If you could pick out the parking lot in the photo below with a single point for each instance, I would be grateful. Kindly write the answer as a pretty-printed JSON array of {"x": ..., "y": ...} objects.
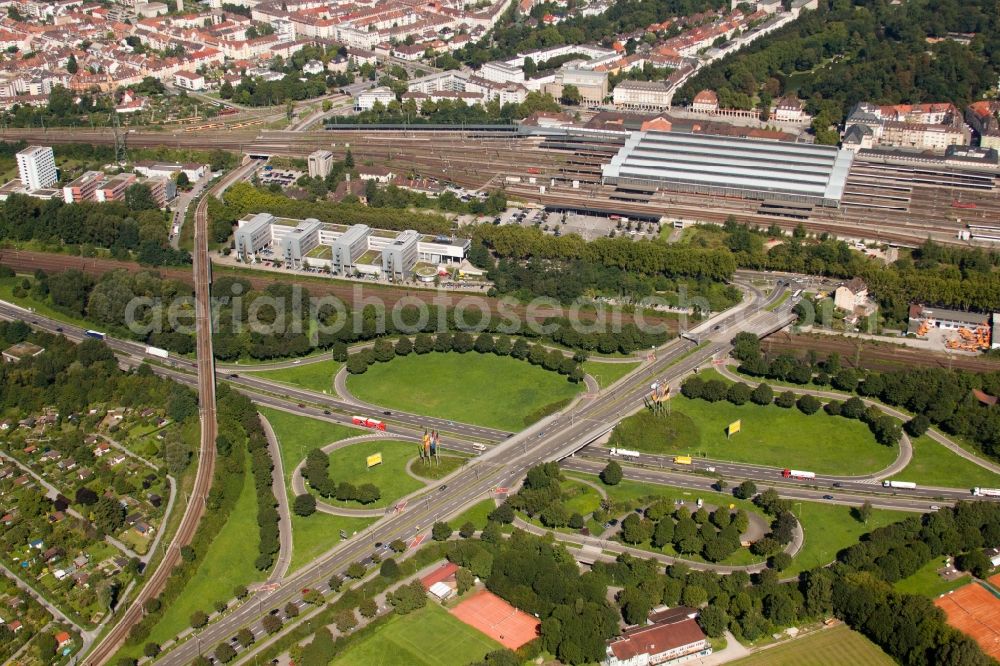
[
  {"x": 283, "y": 177},
  {"x": 587, "y": 226}
]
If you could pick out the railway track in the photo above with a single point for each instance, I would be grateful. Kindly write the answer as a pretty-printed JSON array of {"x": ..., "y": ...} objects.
[{"x": 476, "y": 161}]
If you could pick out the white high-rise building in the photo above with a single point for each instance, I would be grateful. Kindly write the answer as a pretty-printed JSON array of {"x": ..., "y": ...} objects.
[{"x": 37, "y": 167}]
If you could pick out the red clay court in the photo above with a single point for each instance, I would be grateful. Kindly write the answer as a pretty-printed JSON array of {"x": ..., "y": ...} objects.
[
  {"x": 974, "y": 610},
  {"x": 497, "y": 619}
]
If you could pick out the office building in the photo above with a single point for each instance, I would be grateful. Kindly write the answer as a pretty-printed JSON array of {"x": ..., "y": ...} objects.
[
  {"x": 400, "y": 256},
  {"x": 36, "y": 166},
  {"x": 320, "y": 163}
]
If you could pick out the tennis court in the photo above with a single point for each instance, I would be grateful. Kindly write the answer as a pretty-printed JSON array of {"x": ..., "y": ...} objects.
[
  {"x": 497, "y": 619},
  {"x": 974, "y": 610}
]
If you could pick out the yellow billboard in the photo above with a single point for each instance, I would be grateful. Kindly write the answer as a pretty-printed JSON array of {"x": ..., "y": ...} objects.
[
  {"x": 374, "y": 459},
  {"x": 734, "y": 427}
]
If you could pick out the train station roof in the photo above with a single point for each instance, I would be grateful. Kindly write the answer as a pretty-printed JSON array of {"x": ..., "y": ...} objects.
[{"x": 751, "y": 167}]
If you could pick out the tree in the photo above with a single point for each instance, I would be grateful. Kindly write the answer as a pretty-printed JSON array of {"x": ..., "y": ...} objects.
[
  {"x": 467, "y": 529},
  {"x": 503, "y": 514},
  {"x": 484, "y": 343},
  {"x": 808, "y": 404},
  {"x": 612, "y": 474},
  {"x": 335, "y": 583},
  {"x": 304, "y": 505},
  {"x": 71, "y": 65},
  {"x": 974, "y": 562},
  {"x": 245, "y": 637},
  {"x": 368, "y": 608},
  {"x": 339, "y": 351},
  {"x": 224, "y": 652},
  {"x": 397, "y": 545},
  {"x": 271, "y": 624},
  {"x": 785, "y": 400},
  {"x": 763, "y": 394},
  {"x": 571, "y": 95},
  {"x": 383, "y": 351},
  {"x": 918, "y": 425},
  {"x": 47, "y": 646},
  {"x": 738, "y": 393},
  {"x": 464, "y": 580},
  {"x": 198, "y": 619},
  {"x": 780, "y": 561},
  {"x": 713, "y": 621},
  {"x": 404, "y": 346},
  {"x": 109, "y": 515},
  {"x": 151, "y": 650},
  {"x": 441, "y": 531},
  {"x": 389, "y": 569},
  {"x": 320, "y": 651},
  {"x": 745, "y": 490},
  {"x": 139, "y": 197},
  {"x": 345, "y": 620},
  {"x": 634, "y": 530},
  {"x": 349, "y": 159},
  {"x": 86, "y": 496},
  {"x": 576, "y": 521},
  {"x": 357, "y": 364},
  {"x": 356, "y": 570},
  {"x": 865, "y": 512},
  {"x": 182, "y": 180},
  {"x": 423, "y": 344}
]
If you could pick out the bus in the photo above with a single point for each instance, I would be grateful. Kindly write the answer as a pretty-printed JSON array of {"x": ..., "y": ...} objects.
[
  {"x": 682, "y": 460},
  {"x": 94, "y": 334}
]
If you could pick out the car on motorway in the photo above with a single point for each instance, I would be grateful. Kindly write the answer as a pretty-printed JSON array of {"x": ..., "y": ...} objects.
[
  {"x": 828, "y": 497},
  {"x": 387, "y": 413},
  {"x": 301, "y": 406},
  {"x": 838, "y": 485},
  {"x": 234, "y": 376},
  {"x": 935, "y": 507},
  {"x": 444, "y": 487},
  {"x": 326, "y": 411},
  {"x": 59, "y": 329}
]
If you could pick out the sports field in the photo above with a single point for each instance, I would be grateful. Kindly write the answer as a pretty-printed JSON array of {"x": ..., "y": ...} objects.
[
  {"x": 974, "y": 611},
  {"x": 493, "y": 391},
  {"x": 427, "y": 637},
  {"x": 827, "y": 647},
  {"x": 496, "y": 618}
]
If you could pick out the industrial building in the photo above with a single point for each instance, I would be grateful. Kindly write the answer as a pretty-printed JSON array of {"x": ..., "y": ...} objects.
[
  {"x": 731, "y": 167},
  {"x": 342, "y": 249}
]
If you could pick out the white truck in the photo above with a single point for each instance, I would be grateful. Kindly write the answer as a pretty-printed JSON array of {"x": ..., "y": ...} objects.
[
  {"x": 627, "y": 453},
  {"x": 899, "y": 484},
  {"x": 157, "y": 352},
  {"x": 986, "y": 492}
]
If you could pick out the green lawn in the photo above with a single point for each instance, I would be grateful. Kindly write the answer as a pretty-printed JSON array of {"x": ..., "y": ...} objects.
[
  {"x": 580, "y": 498},
  {"x": 769, "y": 435},
  {"x": 297, "y": 435},
  {"x": 826, "y": 647},
  {"x": 438, "y": 470},
  {"x": 317, "y": 376},
  {"x": 430, "y": 636},
  {"x": 476, "y": 514},
  {"x": 314, "y": 535},
  {"x": 935, "y": 465},
  {"x": 349, "y": 464},
  {"x": 493, "y": 391},
  {"x": 928, "y": 583},
  {"x": 606, "y": 373},
  {"x": 830, "y": 528},
  {"x": 227, "y": 563}
]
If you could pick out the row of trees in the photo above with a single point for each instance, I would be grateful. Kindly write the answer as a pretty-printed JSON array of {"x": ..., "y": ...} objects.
[
  {"x": 317, "y": 473},
  {"x": 935, "y": 395},
  {"x": 450, "y": 112},
  {"x": 384, "y": 351},
  {"x": 262, "y": 467}
]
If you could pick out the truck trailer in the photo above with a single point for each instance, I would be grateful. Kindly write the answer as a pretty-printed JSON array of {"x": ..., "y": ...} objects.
[
  {"x": 797, "y": 474},
  {"x": 899, "y": 484}
]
